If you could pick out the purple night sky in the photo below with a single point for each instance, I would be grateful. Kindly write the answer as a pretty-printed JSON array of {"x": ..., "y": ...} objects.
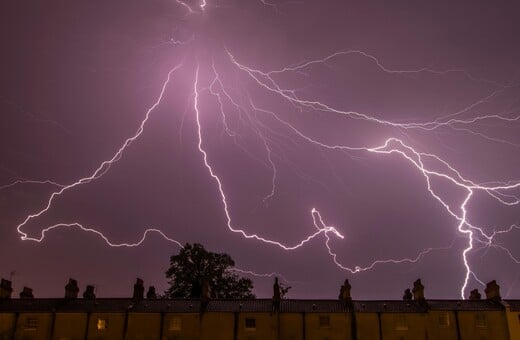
[{"x": 438, "y": 81}]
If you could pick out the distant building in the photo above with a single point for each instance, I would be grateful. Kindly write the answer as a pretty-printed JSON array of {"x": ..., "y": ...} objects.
[{"x": 413, "y": 318}]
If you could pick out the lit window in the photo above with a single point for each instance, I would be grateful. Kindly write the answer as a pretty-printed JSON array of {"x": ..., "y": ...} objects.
[
  {"x": 31, "y": 324},
  {"x": 481, "y": 320},
  {"x": 400, "y": 323},
  {"x": 175, "y": 324},
  {"x": 102, "y": 324},
  {"x": 444, "y": 319},
  {"x": 250, "y": 323},
  {"x": 324, "y": 321}
]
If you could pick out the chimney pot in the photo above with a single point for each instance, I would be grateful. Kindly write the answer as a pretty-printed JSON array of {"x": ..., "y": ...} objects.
[
  {"x": 407, "y": 295},
  {"x": 344, "y": 292},
  {"x": 89, "y": 293},
  {"x": 418, "y": 290},
  {"x": 138, "y": 290},
  {"x": 26, "y": 293},
  {"x": 205, "y": 295},
  {"x": 277, "y": 296},
  {"x": 151, "y": 294},
  {"x": 493, "y": 291},
  {"x": 475, "y": 295},
  {"x": 71, "y": 289},
  {"x": 6, "y": 289}
]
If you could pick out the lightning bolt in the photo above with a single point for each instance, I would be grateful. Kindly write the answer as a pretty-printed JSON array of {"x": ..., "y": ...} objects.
[
  {"x": 395, "y": 145},
  {"x": 429, "y": 165},
  {"x": 103, "y": 168}
]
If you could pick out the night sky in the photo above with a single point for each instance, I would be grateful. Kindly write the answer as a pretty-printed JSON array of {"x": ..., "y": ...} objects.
[{"x": 437, "y": 81}]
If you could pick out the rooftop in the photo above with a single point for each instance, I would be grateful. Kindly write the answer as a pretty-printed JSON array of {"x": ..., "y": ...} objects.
[{"x": 253, "y": 305}]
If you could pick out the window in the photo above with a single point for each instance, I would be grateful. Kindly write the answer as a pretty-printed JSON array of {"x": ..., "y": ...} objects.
[
  {"x": 250, "y": 323},
  {"x": 481, "y": 320},
  {"x": 401, "y": 324},
  {"x": 31, "y": 324},
  {"x": 444, "y": 319},
  {"x": 175, "y": 324},
  {"x": 324, "y": 321},
  {"x": 102, "y": 324}
]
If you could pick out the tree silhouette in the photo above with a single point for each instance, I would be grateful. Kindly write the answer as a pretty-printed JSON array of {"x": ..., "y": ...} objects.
[{"x": 194, "y": 266}]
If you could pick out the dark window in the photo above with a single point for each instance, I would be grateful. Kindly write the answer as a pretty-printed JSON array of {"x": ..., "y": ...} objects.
[
  {"x": 444, "y": 319},
  {"x": 481, "y": 320},
  {"x": 250, "y": 323},
  {"x": 324, "y": 321},
  {"x": 175, "y": 324},
  {"x": 31, "y": 324},
  {"x": 401, "y": 324}
]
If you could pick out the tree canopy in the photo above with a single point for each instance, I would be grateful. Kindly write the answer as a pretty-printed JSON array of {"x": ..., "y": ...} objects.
[{"x": 194, "y": 266}]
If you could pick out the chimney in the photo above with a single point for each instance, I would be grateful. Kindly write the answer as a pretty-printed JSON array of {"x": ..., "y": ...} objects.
[
  {"x": 407, "y": 295},
  {"x": 277, "y": 297},
  {"x": 71, "y": 289},
  {"x": 138, "y": 289},
  {"x": 26, "y": 293},
  {"x": 475, "y": 295},
  {"x": 151, "y": 295},
  {"x": 205, "y": 296},
  {"x": 89, "y": 293},
  {"x": 5, "y": 289},
  {"x": 418, "y": 290},
  {"x": 493, "y": 291},
  {"x": 344, "y": 292}
]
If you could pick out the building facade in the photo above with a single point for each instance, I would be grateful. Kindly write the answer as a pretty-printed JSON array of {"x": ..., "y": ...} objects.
[{"x": 412, "y": 318}]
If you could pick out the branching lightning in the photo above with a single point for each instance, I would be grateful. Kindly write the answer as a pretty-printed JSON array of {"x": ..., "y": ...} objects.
[
  {"x": 429, "y": 165},
  {"x": 392, "y": 145}
]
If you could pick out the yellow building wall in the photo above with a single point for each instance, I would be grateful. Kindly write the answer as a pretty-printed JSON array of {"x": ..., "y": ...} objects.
[
  {"x": 266, "y": 326},
  {"x": 71, "y": 326},
  {"x": 513, "y": 322},
  {"x": 392, "y": 326},
  {"x": 495, "y": 329},
  {"x": 367, "y": 326},
  {"x": 439, "y": 330},
  {"x": 340, "y": 326},
  {"x": 143, "y": 326},
  {"x": 217, "y": 326},
  {"x": 499, "y": 325},
  {"x": 7, "y": 325},
  {"x": 42, "y": 331},
  {"x": 291, "y": 326},
  {"x": 189, "y": 327},
  {"x": 114, "y": 330}
]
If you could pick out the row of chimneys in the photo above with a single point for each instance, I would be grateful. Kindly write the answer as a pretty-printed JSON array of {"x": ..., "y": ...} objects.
[
  {"x": 417, "y": 292},
  {"x": 72, "y": 290}
]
